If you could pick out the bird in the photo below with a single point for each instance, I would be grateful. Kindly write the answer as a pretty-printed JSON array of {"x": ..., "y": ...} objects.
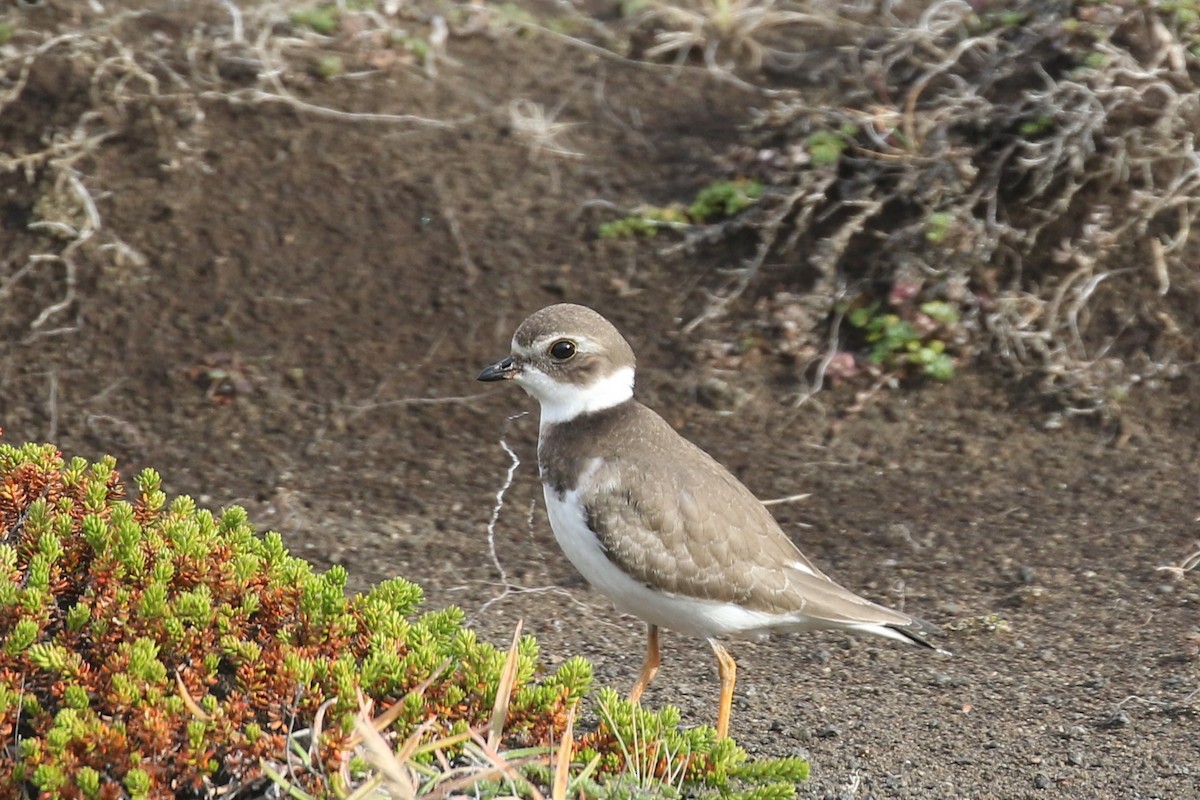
[{"x": 656, "y": 523}]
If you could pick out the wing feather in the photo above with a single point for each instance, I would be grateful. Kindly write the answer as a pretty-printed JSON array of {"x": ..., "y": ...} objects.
[{"x": 725, "y": 547}]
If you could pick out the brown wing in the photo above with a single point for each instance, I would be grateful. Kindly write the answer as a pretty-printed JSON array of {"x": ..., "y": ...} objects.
[{"x": 724, "y": 546}]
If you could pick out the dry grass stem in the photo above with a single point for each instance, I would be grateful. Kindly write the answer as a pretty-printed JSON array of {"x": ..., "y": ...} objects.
[
  {"x": 792, "y": 498},
  {"x": 562, "y": 759},
  {"x": 508, "y": 679},
  {"x": 1186, "y": 565}
]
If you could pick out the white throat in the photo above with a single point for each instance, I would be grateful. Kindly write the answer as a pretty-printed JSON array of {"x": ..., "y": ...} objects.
[{"x": 562, "y": 402}]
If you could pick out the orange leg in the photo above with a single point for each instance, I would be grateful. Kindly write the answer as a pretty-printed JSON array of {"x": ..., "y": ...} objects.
[
  {"x": 649, "y": 666},
  {"x": 727, "y": 669}
]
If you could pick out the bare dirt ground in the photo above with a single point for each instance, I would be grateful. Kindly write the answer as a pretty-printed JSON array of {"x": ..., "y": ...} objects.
[{"x": 285, "y": 309}]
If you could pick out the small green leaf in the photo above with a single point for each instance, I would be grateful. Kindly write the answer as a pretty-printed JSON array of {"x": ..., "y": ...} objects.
[
  {"x": 137, "y": 781},
  {"x": 825, "y": 147},
  {"x": 87, "y": 779},
  {"x": 23, "y": 634},
  {"x": 941, "y": 311}
]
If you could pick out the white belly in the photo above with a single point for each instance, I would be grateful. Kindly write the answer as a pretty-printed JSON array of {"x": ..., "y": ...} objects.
[{"x": 698, "y": 617}]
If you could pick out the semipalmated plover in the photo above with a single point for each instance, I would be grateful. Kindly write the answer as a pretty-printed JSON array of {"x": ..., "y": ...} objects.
[{"x": 653, "y": 521}]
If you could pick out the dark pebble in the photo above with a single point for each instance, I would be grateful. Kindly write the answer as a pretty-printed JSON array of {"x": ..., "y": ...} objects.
[{"x": 1117, "y": 720}]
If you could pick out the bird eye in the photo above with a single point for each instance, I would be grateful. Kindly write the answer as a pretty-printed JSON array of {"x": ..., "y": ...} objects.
[{"x": 563, "y": 349}]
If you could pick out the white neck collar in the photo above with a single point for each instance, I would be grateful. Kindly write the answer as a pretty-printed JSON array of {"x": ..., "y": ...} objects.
[{"x": 563, "y": 402}]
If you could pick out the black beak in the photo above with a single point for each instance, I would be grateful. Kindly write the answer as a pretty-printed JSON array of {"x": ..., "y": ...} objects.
[{"x": 504, "y": 370}]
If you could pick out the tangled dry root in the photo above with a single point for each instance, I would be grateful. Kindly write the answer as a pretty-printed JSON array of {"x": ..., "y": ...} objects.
[{"x": 1038, "y": 168}]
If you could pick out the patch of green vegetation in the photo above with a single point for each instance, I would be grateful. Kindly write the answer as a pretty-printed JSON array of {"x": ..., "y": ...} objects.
[
  {"x": 938, "y": 227},
  {"x": 1037, "y": 127},
  {"x": 896, "y": 341},
  {"x": 718, "y": 200},
  {"x": 628, "y": 227},
  {"x": 826, "y": 147},
  {"x": 941, "y": 311},
  {"x": 135, "y": 628},
  {"x": 511, "y": 16},
  {"x": 648, "y": 753},
  {"x": 645, "y": 222},
  {"x": 998, "y": 20},
  {"x": 724, "y": 199},
  {"x": 6, "y": 32},
  {"x": 417, "y": 45},
  {"x": 321, "y": 19},
  {"x": 330, "y": 65},
  {"x": 1183, "y": 12}
]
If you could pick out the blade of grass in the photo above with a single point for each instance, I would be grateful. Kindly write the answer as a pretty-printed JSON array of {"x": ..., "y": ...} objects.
[
  {"x": 293, "y": 791},
  {"x": 562, "y": 762},
  {"x": 508, "y": 677},
  {"x": 395, "y": 709},
  {"x": 391, "y": 765},
  {"x": 509, "y": 768}
]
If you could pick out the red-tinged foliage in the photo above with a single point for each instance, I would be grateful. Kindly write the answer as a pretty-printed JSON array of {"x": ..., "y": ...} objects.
[{"x": 152, "y": 645}]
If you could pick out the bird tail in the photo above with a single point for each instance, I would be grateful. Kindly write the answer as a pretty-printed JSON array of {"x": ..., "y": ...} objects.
[{"x": 914, "y": 632}]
